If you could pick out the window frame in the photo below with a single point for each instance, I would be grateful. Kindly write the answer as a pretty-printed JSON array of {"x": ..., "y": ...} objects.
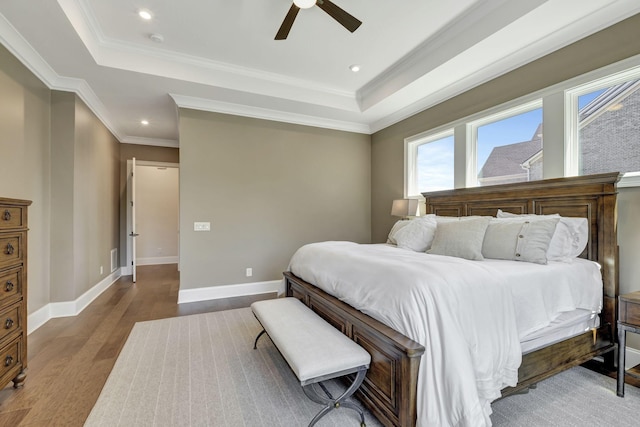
[
  {"x": 472, "y": 126},
  {"x": 572, "y": 143},
  {"x": 411, "y": 145}
]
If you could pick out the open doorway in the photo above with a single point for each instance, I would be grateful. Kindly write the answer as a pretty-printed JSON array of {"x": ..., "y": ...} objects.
[{"x": 157, "y": 210}]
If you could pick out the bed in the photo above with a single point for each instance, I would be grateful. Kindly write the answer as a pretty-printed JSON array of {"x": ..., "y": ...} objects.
[{"x": 390, "y": 389}]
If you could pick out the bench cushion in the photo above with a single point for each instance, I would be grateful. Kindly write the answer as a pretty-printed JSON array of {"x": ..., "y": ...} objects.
[{"x": 312, "y": 347}]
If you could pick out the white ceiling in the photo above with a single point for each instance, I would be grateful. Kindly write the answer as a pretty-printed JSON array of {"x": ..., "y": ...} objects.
[{"x": 220, "y": 55}]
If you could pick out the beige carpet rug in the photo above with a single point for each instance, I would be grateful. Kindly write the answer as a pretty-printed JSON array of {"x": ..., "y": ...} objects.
[{"x": 201, "y": 370}]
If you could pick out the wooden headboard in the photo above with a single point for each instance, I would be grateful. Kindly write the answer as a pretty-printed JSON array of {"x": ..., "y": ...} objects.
[{"x": 592, "y": 197}]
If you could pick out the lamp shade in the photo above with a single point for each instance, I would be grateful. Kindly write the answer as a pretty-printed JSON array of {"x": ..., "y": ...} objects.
[{"x": 404, "y": 207}]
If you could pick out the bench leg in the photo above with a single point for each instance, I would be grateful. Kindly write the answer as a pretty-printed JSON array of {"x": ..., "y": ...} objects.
[
  {"x": 255, "y": 343},
  {"x": 332, "y": 403}
]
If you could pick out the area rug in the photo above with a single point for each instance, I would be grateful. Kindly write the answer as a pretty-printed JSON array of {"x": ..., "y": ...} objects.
[
  {"x": 201, "y": 370},
  {"x": 576, "y": 397}
]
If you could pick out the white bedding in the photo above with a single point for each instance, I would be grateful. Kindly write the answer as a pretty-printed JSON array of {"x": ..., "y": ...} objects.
[{"x": 462, "y": 311}]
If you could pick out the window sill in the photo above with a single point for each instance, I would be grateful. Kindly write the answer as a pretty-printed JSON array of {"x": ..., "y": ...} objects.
[{"x": 629, "y": 179}]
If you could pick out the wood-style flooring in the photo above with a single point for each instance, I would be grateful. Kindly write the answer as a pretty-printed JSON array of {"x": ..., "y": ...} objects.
[{"x": 69, "y": 359}]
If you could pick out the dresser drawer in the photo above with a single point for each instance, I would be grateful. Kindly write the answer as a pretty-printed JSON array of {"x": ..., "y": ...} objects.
[
  {"x": 10, "y": 284},
  {"x": 11, "y": 248},
  {"x": 11, "y": 359},
  {"x": 10, "y": 320},
  {"x": 12, "y": 216}
]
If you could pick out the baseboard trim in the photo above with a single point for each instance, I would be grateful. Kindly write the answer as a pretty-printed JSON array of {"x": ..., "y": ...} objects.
[
  {"x": 70, "y": 308},
  {"x": 632, "y": 358},
  {"x": 157, "y": 260},
  {"x": 228, "y": 291}
]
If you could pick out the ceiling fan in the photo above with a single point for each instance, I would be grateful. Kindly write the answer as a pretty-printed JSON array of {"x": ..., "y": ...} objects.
[{"x": 337, "y": 13}]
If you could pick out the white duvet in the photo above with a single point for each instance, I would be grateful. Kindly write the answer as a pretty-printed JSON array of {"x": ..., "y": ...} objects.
[{"x": 462, "y": 311}]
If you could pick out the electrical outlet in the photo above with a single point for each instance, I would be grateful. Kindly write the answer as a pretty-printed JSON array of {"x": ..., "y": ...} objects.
[
  {"x": 249, "y": 272},
  {"x": 101, "y": 270}
]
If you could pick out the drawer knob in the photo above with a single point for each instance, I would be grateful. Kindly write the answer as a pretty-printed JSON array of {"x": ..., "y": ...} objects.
[
  {"x": 10, "y": 249},
  {"x": 7, "y": 215},
  {"x": 8, "y": 360},
  {"x": 9, "y": 286},
  {"x": 9, "y": 323}
]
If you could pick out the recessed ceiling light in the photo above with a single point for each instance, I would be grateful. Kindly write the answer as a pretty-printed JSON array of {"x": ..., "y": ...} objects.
[
  {"x": 355, "y": 68},
  {"x": 144, "y": 122},
  {"x": 145, "y": 14},
  {"x": 158, "y": 38}
]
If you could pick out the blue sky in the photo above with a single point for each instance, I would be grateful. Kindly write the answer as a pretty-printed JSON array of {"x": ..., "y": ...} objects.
[{"x": 435, "y": 160}]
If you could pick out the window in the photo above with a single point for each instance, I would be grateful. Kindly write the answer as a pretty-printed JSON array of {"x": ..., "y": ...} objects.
[
  {"x": 430, "y": 163},
  {"x": 591, "y": 125},
  {"x": 509, "y": 146},
  {"x": 608, "y": 127}
]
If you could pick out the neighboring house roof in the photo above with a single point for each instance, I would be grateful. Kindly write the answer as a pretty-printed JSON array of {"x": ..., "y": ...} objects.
[
  {"x": 506, "y": 159},
  {"x": 606, "y": 99}
]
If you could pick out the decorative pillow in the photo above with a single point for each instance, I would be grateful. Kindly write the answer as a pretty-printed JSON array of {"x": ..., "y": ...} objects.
[
  {"x": 569, "y": 239},
  {"x": 462, "y": 239},
  {"x": 519, "y": 239},
  {"x": 417, "y": 235},
  {"x": 396, "y": 227}
]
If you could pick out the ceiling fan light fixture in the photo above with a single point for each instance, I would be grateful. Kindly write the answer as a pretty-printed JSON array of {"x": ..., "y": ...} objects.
[
  {"x": 145, "y": 14},
  {"x": 304, "y": 4}
]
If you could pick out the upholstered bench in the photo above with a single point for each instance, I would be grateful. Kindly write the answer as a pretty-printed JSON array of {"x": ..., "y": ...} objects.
[{"x": 314, "y": 350}]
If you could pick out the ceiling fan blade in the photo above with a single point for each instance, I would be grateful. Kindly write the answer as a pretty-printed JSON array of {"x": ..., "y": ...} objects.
[
  {"x": 337, "y": 13},
  {"x": 283, "y": 32}
]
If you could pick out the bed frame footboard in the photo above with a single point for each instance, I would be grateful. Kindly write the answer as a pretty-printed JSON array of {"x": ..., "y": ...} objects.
[{"x": 389, "y": 389}]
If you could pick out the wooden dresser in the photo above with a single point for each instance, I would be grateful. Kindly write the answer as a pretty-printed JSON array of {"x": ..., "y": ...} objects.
[{"x": 13, "y": 291}]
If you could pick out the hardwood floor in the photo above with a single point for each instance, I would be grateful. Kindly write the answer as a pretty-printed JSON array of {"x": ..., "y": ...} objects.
[{"x": 69, "y": 359}]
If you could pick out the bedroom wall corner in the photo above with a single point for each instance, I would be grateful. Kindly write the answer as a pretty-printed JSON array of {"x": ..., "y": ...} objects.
[{"x": 266, "y": 188}]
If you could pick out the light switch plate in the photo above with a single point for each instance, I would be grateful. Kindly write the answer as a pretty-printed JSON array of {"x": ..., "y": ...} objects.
[{"x": 201, "y": 226}]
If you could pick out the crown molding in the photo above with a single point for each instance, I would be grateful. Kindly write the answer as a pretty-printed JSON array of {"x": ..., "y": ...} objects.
[
  {"x": 552, "y": 42},
  {"x": 202, "y": 104},
  {"x": 27, "y": 55},
  {"x": 176, "y": 65},
  {"x": 139, "y": 140}
]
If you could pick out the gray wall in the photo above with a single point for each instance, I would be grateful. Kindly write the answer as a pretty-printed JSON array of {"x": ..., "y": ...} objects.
[
  {"x": 25, "y": 159},
  {"x": 84, "y": 198},
  {"x": 267, "y": 188},
  {"x": 55, "y": 152}
]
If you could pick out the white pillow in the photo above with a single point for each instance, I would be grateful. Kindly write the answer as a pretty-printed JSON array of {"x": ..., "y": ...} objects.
[
  {"x": 462, "y": 239},
  {"x": 569, "y": 239},
  {"x": 519, "y": 239},
  {"x": 417, "y": 235},
  {"x": 396, "y": 227}
]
